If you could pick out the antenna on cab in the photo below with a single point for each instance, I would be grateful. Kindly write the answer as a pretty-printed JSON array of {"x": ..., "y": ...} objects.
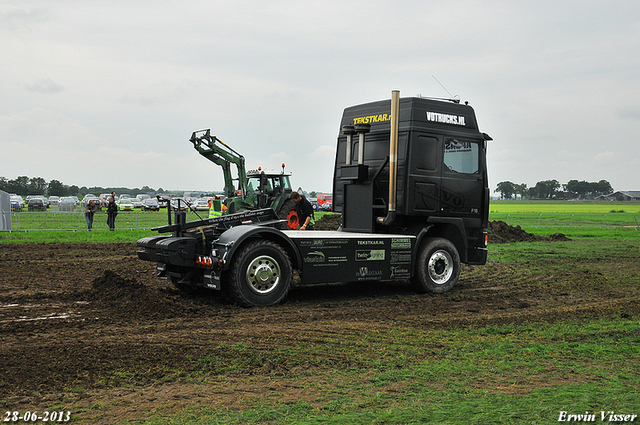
[{"x": 455, "y": 98}]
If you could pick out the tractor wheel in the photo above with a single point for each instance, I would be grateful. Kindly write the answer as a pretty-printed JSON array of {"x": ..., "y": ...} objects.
[
  {"x": 260, "y": 274},
  {"x": 293, "y": 221},
  {"x": 288, "y": 212},
  {"x": 437, "y": 266}
]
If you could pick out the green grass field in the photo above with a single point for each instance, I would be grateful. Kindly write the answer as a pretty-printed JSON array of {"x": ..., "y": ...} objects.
[
  {"x": 564, "y": 207},
  {"x": 574, "y": 219}
]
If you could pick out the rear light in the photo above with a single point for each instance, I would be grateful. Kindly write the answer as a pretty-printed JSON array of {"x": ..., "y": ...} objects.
[{"x": 205, "y": 262}]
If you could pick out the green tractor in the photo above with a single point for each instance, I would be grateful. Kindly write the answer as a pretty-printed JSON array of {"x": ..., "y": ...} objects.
[{"x": 255, "y": 189}]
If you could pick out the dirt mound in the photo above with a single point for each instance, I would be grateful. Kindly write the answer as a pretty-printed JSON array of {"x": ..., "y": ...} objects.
[
  {"x": 329, "y": 222},
  {"x": 501, "y": 232},
  {"x": 559, "y": 237},
  {"x": 129, "y": 298}
]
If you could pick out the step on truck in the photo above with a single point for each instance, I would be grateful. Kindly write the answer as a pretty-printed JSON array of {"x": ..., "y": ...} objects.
[{"x": 410, "y": 182}]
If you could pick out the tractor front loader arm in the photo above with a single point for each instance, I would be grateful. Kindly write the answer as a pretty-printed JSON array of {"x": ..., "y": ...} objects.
[{"x": 216, "y": 151}]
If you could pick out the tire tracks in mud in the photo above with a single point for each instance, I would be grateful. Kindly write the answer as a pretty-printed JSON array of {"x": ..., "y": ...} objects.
[{"x": 79, "y": 312}]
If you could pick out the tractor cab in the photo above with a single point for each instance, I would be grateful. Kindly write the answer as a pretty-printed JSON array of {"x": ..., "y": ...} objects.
[{"x": 267, "y": 189}]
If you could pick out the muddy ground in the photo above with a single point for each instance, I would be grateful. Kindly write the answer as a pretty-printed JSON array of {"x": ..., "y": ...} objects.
[{"x": 76, "y": 319}]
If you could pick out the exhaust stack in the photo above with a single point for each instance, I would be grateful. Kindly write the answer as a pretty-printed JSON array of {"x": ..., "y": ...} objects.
[
  {"x": 349, "y": 131},
  {"x": 393, "y": 160}
]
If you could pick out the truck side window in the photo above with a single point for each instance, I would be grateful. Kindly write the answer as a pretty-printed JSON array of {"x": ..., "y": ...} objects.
[
  {"x": 461, "y": 156},
  {"x": 427, "y": 159}
]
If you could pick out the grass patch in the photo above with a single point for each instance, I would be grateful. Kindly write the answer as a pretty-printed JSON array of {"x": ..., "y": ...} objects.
[
  {"x": 65, "y": 236},
  {"x": 574, "y": 219},
  {"x": 565, "y": 207},
  {"x": 518, "y": 374}
]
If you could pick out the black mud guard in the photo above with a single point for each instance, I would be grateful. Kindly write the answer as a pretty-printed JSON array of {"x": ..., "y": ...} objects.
[
  {"x": 233, "y": 238},
  {"x": 177, "y": 251},
  {"x": 453, "y": 221},
  {"x": 148, "y": 246}
]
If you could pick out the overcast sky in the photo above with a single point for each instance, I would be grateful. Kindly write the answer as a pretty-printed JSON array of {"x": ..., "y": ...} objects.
[{"x": 107, "y": 93}]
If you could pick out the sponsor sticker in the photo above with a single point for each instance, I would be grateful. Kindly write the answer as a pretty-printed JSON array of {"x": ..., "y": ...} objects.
[{"x": 370, "y": 254}]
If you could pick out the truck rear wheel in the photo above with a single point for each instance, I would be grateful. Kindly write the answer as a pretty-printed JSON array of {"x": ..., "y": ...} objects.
[
  {"x": 437, "y": 266},
  {"x": 260, "y": 274}
]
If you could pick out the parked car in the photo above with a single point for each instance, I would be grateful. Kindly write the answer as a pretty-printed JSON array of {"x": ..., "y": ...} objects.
[
  {"x": 184, "y": 206},
  {"x": 68, "y": 203},
  {"x": 150, "y": 204},
  {"x": 89, "y": 197},
  {"x": 125, "y": 204},
  {"x": 326, "y": 206},
  {"x": 45, "y": 201},
  {"x": 201, "y": 204},
  {"x": 53, "y": 200},
  {"x": 104, "y": 198},
  {"x": 137, "y": 203},
  {"x": 36, "y": 204},
  {"x": 162, "y": 202},
  {"x": 17, "y": 203}
]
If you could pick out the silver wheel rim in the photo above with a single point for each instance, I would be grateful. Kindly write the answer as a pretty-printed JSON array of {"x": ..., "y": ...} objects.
[
  {"x": 263, "y": 274},
  {"x": 440, "y": 267}
]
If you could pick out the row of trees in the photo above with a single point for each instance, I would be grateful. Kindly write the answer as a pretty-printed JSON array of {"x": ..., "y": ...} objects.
[
  {"x": 552, "y": 189},
  {"x": 24, "y": 186},
  {"x": 546, "y": 189}
]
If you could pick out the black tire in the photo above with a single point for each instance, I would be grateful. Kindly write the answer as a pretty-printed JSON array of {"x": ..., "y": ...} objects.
[
  {"x": 260, "y": 274},
  {"x": 286, "y": 207},
  {"x": 437, "y": 267}
]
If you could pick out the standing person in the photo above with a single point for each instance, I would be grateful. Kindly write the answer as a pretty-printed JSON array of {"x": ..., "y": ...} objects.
[
  {"x": 304, "y": 210},
  {"x": 88, "y": 214},
  {"x": 112, "y": 212}
]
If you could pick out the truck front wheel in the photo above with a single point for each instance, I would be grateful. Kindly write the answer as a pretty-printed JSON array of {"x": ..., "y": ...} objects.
[
  {"x": 260, "y": 274},
  {"x": 437, "y": 266}
]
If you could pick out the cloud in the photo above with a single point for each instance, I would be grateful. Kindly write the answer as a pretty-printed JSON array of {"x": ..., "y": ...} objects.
[
  {"x": 629, "y": 112},
  {"x": 607, "y": 156},
  {"x": 324, "y": 151},
  {"x": 22, "y": 17},
  {"x": 44, "y": 86}
]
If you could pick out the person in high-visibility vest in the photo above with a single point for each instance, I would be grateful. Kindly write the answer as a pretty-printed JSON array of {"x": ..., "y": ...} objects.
[{"x": 216, "y": 207}]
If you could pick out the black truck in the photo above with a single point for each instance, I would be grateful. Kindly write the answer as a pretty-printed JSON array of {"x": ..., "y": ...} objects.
[{"x": 410, "y": 180}]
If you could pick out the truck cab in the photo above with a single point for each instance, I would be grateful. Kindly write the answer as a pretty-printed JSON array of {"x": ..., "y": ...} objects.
[{"x": 440, "y": 185}]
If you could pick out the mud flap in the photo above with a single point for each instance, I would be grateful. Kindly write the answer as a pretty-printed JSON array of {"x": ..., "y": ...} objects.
[{"x": 212, "y": 279}]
